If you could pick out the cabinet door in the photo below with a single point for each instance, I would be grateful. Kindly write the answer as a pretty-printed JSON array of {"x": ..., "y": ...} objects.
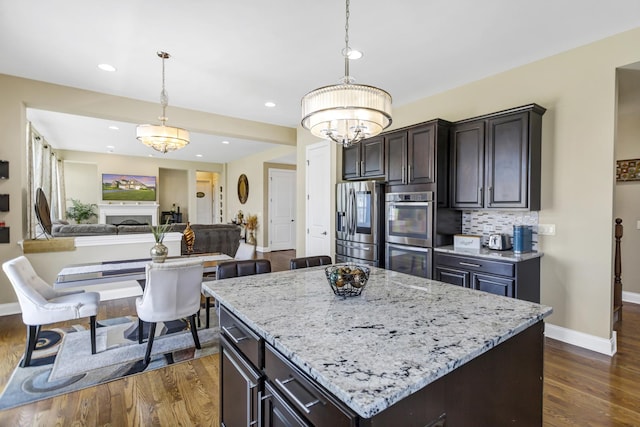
[
  {"x": 372, "y": 155},
  {"x": 277, "y": 412},
  {"x": 454, "y": 277},
  {"x": 239, "y": 388},
  {"x": 421, "y": 155},
  {"x": 467, "y": 165},
  {"x": 507, "y": 161},
  {"x": 351, "y": 162},
  {"x": 493, "y": 284},
  {"x": 396, "y": 155}
]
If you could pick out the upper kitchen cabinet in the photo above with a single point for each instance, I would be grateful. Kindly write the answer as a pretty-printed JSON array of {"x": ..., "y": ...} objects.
[
  {"x": 495, "y": 160},
  {"x": 364, "y": 159},
  {"x": 418, "y": 154}
]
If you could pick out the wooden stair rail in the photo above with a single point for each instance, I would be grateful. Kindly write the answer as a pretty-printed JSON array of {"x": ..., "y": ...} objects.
[{"x": 617, "y": 281}]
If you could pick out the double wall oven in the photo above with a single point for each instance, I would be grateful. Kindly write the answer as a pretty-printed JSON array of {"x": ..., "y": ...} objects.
[{"x": 409, "y": 233}]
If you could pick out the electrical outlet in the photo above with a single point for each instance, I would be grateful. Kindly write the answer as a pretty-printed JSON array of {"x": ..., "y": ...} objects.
[
  {"x": 488, "y": 228},
  {"x": 638, "y": 224},
  {"x": 547, "y": 229}
]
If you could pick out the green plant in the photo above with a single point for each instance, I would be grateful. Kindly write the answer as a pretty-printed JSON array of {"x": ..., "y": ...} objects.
[
  {"x": 159, "y": 231},
  {"x": 81, "y": 212}
]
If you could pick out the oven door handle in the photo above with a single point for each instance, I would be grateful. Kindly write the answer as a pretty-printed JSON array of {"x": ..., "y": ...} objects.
[
  {"x": 414, "y": 204},
  {"x": 409, "y": 248}
]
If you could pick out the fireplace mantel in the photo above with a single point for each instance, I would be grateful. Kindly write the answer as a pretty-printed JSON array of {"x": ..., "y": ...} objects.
[{"x": 129, "y": 209}]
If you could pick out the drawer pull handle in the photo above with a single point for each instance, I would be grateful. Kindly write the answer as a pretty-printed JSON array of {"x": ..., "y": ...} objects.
[
  {"x": 304, "y": 406},
  {"x": 470, "y": 264},
  {"x": 228, "y": 332}
]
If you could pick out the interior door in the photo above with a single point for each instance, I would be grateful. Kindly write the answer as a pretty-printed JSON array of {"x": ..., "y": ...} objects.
[
  {"x": 319, "y": 201},
  {"x": 204, "y": 202},
  {"x": 282, "y": 209}
]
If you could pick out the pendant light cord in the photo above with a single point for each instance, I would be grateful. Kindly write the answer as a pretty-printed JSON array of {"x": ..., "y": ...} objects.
[
  {"x": 164, "y": 97},
  {"x": 347, "y": 50}
]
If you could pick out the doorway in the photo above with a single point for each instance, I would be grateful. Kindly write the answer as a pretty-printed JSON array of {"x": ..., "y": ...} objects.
[{"x": 282, "y": 209}]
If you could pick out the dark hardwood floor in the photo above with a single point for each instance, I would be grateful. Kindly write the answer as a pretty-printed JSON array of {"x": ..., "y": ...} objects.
[{"x": 581, "y": 388}]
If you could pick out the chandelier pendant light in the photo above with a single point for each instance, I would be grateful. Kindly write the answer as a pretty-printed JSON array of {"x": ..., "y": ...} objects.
[
  {"x": 346, "y": 112},
  {"x": 160, "y": 137}
]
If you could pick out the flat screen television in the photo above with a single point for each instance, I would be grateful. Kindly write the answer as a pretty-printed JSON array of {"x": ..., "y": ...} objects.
[{"x": 136, "y": 188}]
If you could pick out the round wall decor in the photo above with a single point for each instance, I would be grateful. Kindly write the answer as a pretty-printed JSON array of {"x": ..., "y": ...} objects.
[{"x": 243, "y": 188}]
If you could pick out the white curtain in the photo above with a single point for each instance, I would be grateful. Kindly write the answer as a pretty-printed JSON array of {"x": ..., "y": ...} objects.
[{"x": 45, "y": 171}]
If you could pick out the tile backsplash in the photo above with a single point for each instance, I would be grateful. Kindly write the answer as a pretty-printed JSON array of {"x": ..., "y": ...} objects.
[{"x": 484, "y": 223}]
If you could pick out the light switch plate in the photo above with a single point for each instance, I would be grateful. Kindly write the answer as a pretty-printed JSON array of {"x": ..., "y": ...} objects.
[{"x": 547, "y": 229}]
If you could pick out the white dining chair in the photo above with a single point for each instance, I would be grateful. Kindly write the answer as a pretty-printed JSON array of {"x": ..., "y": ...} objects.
[
  {"x": 171, "y": 292},
  {"x": 42, "y": 305},
  {"x": 245, "y": 251}
]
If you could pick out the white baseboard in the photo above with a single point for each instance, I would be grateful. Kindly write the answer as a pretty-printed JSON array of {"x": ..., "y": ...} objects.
[
  {"x": 9, "y": 308},
  {"x": 580, "y": 339},
  {"x": 632, "y": 297}
]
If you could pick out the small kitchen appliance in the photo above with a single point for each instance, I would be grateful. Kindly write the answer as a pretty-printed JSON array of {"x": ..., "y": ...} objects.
[{"x": 499, "y": 242}]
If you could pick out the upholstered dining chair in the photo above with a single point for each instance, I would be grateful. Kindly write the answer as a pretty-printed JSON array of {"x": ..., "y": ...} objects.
[
  {"x": 171, "y": 292},
  {"x": 309, "y": 261},
  {"x": 42, "y": 305},
  {"x": 238, "y": 268},
  {"x": 245, "y": 251}
]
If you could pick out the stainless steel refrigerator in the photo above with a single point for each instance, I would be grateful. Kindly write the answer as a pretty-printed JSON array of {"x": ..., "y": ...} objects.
[{"x": 359, "y": 222}]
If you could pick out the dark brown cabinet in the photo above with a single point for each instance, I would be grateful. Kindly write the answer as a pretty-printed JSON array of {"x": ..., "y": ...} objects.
[
  {"x": 513, "y": 279},
  {"x": 495, "y": 160},
  {"x": 364, "y": 159}
]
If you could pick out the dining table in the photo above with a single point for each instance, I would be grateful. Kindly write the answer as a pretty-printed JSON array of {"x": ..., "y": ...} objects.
[{"x": 95, "y": 273}]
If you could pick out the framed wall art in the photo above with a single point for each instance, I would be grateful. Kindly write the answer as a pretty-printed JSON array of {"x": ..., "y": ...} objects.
[
  {"x": 628, "y": 170},
  {"x": 243, "y": 188}
]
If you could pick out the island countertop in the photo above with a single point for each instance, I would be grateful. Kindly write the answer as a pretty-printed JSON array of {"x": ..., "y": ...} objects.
[{"x": 373, "y": 350}]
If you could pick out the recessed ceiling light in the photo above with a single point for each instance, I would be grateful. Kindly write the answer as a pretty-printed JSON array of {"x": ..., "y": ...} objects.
[
  {"x": 107, "y": 67},
  {"x": 150, "y": 155},
  {"x": 198, "y": 155},
  {"x": 355, "y": 54},
  {"x": 110, "y": 147},
  {"x": 225, "y": 142},
  {"x": 270, "y": 104},
  {"x": 112, "y": 127}
]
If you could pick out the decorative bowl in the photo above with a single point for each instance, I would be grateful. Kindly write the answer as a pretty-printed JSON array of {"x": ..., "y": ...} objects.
[{"x": 347, "y": 280}]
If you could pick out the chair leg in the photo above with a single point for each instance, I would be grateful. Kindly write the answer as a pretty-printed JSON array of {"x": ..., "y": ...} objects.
[
  {"x": 32, "y": 340},
  {"x": 194, "y": 332},
  {"x": 207, "y": 307},
  {"x": 92, "y": 325},
  {"x": 152, "y": 333},
  {"x": 140, "y": 326}
]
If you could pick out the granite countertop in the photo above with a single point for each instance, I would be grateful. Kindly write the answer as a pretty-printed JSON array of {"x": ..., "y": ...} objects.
[
  {"x": 485, "y": 252},
  {"x": 371, "y": 351}
]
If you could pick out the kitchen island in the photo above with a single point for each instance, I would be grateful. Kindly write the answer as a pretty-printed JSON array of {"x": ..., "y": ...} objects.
[{"x": 408, "y": 351}]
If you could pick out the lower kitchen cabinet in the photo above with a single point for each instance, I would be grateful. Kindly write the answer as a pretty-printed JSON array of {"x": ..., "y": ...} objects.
[
  {"x": 239, "y": 386},
  {"x": 515, "y": 279}
]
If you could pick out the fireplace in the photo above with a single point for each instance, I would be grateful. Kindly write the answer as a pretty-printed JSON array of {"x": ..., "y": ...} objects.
[{"x": 141, "y": 213}]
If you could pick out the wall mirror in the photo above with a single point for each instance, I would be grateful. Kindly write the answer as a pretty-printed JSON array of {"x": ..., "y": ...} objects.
[{"x": 243, "y": 188}]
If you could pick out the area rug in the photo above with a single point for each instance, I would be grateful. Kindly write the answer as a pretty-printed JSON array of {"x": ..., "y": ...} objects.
[{"x": 62, "y": 361}]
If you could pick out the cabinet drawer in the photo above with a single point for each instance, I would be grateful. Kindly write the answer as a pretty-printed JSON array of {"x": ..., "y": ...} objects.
[
  {"x": 314, "y": 404},
  {"x": 476, "y": 264},
  {"x": 241, "y": 336}
]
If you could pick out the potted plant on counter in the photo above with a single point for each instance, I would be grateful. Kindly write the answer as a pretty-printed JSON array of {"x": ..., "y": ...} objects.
[{"x": 159, "y": 251}]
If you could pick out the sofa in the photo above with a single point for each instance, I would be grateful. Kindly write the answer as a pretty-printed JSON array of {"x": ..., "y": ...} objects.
[{"x": 222, "y": 238}]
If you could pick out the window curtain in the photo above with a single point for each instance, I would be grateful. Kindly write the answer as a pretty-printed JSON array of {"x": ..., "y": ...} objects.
[{"x": 45, "y": 171}]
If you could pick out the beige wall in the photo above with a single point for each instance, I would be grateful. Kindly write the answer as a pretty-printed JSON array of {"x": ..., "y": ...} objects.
[
  {"x": 18, "y": 94},
  {"x": 627, "y": 194},
  {"x": 253, "y": 167}
]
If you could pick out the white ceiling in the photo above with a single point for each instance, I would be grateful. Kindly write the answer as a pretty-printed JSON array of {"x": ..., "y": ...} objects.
[{"x": 230, "y": 57}]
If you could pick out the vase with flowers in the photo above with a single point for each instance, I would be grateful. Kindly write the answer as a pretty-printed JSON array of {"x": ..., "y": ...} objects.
[
  {"x": 251, "y": 225},
  {"x": 159, "y": 251}
]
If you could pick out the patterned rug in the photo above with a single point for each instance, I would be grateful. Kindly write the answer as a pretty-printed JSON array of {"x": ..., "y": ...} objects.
[{"x": 62, "y": 361}]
